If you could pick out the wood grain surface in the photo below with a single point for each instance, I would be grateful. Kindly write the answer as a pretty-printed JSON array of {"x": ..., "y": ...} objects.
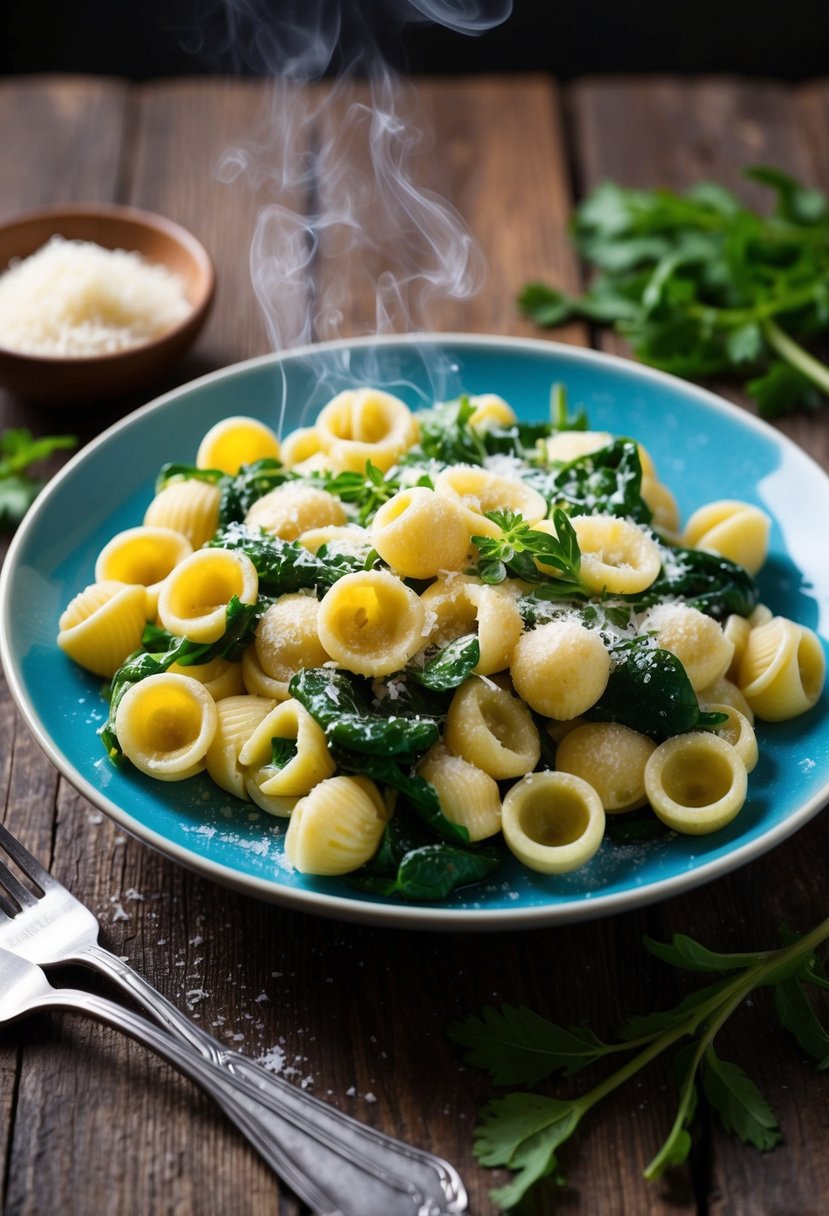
[{"x": 92, "y": 1123}]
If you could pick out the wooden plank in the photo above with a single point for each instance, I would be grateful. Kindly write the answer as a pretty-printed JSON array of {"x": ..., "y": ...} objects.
[
  {"x": 664, "y": 133},
  {"x": 199, "y": 159}
]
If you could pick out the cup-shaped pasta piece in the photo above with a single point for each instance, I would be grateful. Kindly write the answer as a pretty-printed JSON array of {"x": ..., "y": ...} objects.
[
  {"x": 102, "y": 625},
  {"x": 725, "y": 692},
  {"x": 696, "y": 783},
  {"x": 294, "y": 508},
  {"x": 612, "y": 758},
  {"x": 337, "y": 538},
  {"x": 165, "y": 725},
  {"x": 491, "y": 729},
  {"x": 365, "y": 424},
  {"x": 420, "y": 533},
  {"x": 143, "y": 557},
  {"x": 235, "y": 441},
  {"x": 468, "y": 796},
  {"x": 188, "y": 506},
  {"x": 300, "y": 445},
  {"x": 274, "y": 804},
  {"x": 220, "y": 677},
  {"x": 697, "y": 641},
  {"x": 736, "y": 730},
  {"x": 371, "y": 623},
  {"x": 490, "y": 410},
  {"x": 236, "y": 719},
  {"x": 616, "y": 555},
  {"x": 570, "y": 445},
  {"x": 480, "y": 490},
  {"x": 782, "y": 671},
  {"x": 663, "y": 506},
  {"x": 337, "y": 827},
  {"x": 194, "y": 599},
  {"x": 736, "y": 530},
  {"x": 310, "y": 763},
  {"x": 459, "y": 604},
  {"x": 287, "y": 639},
  {"x": 553, "y": 822},
  {"x": 560, "y": 668}
]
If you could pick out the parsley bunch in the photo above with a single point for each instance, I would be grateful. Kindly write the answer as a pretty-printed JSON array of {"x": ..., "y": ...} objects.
[
  {"x": 702, "y": 286},
  {"x": 524, "y": 1131},
  {"x": 19, "y": 450}
]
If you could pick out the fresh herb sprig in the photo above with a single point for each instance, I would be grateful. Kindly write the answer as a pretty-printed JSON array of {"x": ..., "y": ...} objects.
[
  {"x": 19, "y": 450},
  {"x": 702, "y": 285},
  {"x": 520, "y": 546},
  {"x": 523, "y": 1131}
]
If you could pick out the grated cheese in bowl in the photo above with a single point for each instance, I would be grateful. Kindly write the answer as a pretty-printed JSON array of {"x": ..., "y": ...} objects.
[{"x": 75, "y": 298}]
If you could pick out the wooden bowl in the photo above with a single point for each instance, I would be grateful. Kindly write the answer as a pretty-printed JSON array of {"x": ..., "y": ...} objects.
[{"x": 67, "y": 379}]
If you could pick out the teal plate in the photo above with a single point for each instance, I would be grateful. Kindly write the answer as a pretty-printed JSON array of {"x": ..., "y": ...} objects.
[{"x": 704, "y": 449}]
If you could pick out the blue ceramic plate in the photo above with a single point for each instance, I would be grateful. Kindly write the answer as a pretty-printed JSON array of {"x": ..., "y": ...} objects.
[{"x": 704, "y": 449}]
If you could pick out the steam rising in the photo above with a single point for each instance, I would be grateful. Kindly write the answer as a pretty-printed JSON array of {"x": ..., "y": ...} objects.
[{"x": 347, "y": 242}]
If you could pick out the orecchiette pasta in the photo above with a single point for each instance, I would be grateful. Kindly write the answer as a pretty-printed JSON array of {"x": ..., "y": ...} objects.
[
  {"x": 560, "y": 669},
  {"x": 458, "y": 605},
  {"x": 782, "y": 670},
  {"x": 363, "y": 425},
  {"x": 294, "y": 508},
  {"x": 189, "y": 506},
  {"x": 102, "y": 625},
  {"x": 194, "y": 598},
  {"x": 492, "y": 730},
  {"x": 236, "y": 719},
  {"x": 697, "y": 641},
  {"x": 371, "y": 623},
  {"x": 144, "y": 557},
  {"x": 220, "y": 677},
  {"x": 553, "y": 822},
  {"x": 287, "y": 639},
  {"x": 612, "y": 757},
  {"x": 337, "y": 827},
  {"x": 737, "y": 530},
  {"x": 294, "y": 774},
  {"x": 468, "y": 795},
  {"x": 234, "y": 442},
  {"x": 419, "y": 533},
  {"x": 481, "y": 491},
  {"x": 696, "y": 783},
  {"x": 165, "y": 726},
  {"x": 616, "y": 555}
]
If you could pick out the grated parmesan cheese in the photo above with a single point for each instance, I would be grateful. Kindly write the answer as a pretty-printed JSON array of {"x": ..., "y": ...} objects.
[{"x": 76, "y": 298}]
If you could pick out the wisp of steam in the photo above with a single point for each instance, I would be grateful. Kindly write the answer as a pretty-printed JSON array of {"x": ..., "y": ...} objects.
[{"x": 347, "y": 242}]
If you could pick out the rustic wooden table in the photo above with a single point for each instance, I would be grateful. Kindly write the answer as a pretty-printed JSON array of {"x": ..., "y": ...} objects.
[{"x": 92, "y": 1123}]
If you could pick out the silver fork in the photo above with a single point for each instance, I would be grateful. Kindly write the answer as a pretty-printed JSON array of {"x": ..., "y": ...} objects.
[{"x": 334, "y": 1163}]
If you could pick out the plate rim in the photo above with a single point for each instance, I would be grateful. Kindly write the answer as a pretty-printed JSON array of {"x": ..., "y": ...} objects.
[{"x": 366, "y": 911}]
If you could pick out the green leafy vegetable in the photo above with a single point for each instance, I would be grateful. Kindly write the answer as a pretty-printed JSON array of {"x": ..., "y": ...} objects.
[
  {"x": 19, "y": 450},
  {"x": 703, "y": 286},
  {"x": 446, "y": 436},
  {"x": 608, "y": 481},
  {"x": 431, "y": 872},
  {"x": 238, "y": 491},
  {"x": 450, "y": 666},
  {"x": 285, "y": 566},
  {"x": 649, "y": 691},
  {"x": 343, "y": 707},
  {"x": 706, "y": 581},
  {"x": 524, "y": 1131}
]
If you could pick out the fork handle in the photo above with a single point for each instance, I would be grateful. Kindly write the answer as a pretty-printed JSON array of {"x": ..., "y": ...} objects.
[
  {"x": 241, "y": 1109},
  {"x": 365, "y": 1171}
]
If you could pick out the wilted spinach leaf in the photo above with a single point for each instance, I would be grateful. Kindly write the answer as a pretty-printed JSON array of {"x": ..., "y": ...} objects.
[{"x": 342, "y": 705}]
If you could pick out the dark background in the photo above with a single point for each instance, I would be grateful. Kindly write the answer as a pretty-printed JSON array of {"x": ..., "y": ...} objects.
[{"x": 141, "y": 39}]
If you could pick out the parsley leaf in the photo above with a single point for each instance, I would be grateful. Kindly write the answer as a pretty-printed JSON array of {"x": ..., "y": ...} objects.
[
  {"x": 701, "y": 285},
  {"x": 19, "y": 450}
]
